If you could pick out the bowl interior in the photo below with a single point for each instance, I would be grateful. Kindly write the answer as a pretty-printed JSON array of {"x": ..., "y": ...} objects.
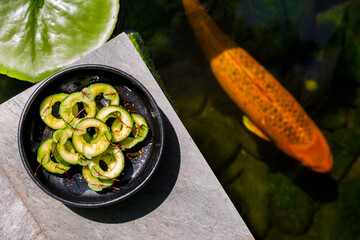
[{"x": 141, "y": 161}]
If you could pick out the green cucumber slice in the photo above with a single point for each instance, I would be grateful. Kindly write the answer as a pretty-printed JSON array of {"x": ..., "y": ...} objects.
[
  {"x": 65, "y": 148},
  {"x": 66, "y": 106},
  {"x": 114, "y": 160},
  {"x": 121, "y": 127},
  {"x": 139, "y": 132},
  {"x": 58, "y": 158},
  {"x": 46, "y": 108},
  {"x": 97, "y": 145},
  {"x": 108, "y": 91},
  {"x": 95, "y": 183},
  {"x": 44, "y": 153}
]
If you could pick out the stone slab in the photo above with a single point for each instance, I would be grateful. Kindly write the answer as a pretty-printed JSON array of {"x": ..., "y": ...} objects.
[{"x": 183, "y": 200}]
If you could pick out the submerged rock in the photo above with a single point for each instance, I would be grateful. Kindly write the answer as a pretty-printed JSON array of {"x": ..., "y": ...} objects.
[
  {"x": 210, "y": 130},
  {"x": 220, "y": 134},
  {"x": 339, "y": 219},
  {"x": 335, "y": 220},
  {"x": 354, "y": 172},
  {"x": 291, "y": 209},
  {"x": 354, "y": 119},
  {"x": 345, "y": 146},
  {"x": 332, "y": 117},
  {"x": 246, "y": 183}
]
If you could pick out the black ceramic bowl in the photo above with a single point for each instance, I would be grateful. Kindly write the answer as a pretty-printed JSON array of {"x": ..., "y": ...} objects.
[{"x": 72, "y": 189}]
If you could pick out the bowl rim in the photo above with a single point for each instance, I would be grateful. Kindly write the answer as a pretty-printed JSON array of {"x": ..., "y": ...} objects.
[{"x": 102, "y": 67}]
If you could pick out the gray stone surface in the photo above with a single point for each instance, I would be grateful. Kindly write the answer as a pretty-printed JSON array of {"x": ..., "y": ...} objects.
[{"x": 183, "y": 200}]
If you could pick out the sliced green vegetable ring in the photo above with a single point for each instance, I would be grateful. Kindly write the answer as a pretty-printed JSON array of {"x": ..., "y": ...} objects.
[
  {"x": 46, "y": 109},
  {"x": 66, "y": 106},
  {"x": 65, "y": 148},
  {"x": 139, "y": 132},
  {"x": 114, "y": 160},
  {"x": 108, "y": 92},
  {"x": 95, "y": 183},
  {"x": 44, "y": 153},
  {"x": 57, "y": 157},
  {"x": 121, "y": 127},
  {"x": 84, "y": 137},
  {"x": 98, "y": 145}
]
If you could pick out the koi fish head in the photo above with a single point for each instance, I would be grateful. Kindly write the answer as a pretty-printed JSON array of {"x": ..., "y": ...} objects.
[{"x": 315, "y": 155}]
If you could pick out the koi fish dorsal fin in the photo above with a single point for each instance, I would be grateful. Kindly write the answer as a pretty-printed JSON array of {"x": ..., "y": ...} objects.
[{"x": 253, "y": 128}]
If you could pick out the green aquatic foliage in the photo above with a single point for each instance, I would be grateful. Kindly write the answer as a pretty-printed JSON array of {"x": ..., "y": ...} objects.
[
  {"x": 350, "y": 58},
  {"x": 39, "y": 37},
  {"x": 139, "y": 44},
  {"x": 141, "y": 48},
  {"x": 328, "y": 21}
]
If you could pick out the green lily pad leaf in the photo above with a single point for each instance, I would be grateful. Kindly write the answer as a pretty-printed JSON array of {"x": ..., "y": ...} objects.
[{"x": 39, "y": 37}]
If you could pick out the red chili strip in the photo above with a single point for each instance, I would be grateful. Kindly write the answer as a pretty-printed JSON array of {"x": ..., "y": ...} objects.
[
  {"x": 39, "y": 165},
  {"x": 116, "y": 145},
  {"x": 66, "y": 173},
  {"x": 118, "y": 117},
  {"x": 56, "y": 145},
  {"x": 84, "y": 93},
  {"x": 113, "y": 93},
  {"x": 100, "y": 175},
  {"x": 48, "y": 106},
  {"x": 71, "y": 126},
  {"x": 78, "y": 113}
]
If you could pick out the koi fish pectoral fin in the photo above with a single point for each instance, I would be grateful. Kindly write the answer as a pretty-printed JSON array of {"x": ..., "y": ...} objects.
[{"x": 254, "y": 129}]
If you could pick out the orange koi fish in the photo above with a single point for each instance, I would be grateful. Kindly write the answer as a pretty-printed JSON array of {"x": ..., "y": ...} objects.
[{"x": 275, "y": 114}]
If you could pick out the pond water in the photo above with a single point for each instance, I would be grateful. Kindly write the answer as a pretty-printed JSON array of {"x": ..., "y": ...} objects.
[
  {"x": 312, "y": 47},
  {"x": 304, "y": 44}
]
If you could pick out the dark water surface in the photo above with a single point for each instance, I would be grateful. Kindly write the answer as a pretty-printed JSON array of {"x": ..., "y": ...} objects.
[
  {"x": 302, "y": 43},
  {"x": 313, "y": 48}
]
